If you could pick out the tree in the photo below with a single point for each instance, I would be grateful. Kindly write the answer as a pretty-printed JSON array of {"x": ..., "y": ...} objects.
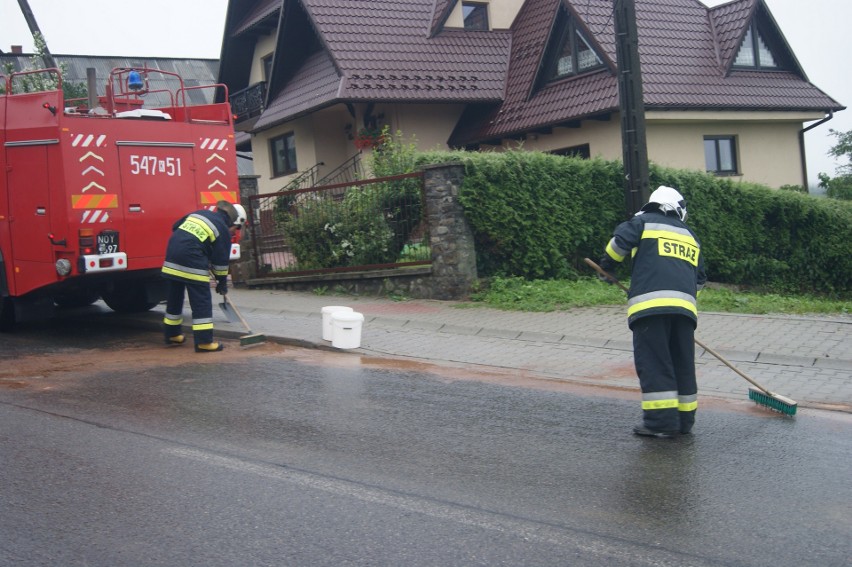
[
  {"x": 839, "y": 187},
  {"x": 36, "y": 82}
]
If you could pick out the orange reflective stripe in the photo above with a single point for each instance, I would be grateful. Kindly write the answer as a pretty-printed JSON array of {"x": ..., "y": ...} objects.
[
  {"x": 213, "y": 197},
  {"x": 105, "y": 201}
]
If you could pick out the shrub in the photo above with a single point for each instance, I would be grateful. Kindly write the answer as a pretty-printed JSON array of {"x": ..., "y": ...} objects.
[
  {"x": 536, "y": 215},
  {"x": 839, "y": 187},
  {"x": 371, "y": 224}
]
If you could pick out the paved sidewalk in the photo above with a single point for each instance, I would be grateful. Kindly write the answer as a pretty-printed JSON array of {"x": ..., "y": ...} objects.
[{"x": 806, "y": 358}]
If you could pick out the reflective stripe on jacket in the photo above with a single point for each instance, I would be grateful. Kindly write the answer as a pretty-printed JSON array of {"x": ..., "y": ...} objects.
[
  {"x": 200, "y": 244},
  {"x": 668, "y": 268}
]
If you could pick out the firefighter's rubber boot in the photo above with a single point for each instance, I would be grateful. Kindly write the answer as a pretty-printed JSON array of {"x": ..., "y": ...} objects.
[
  {"x": 643, "y": 431},
  {"x": 176, "y": 340},
  {"x": 209, "y": 347}
]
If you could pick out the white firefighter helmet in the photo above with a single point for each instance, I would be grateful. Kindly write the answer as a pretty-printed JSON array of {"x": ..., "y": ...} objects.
[
  {"x": 236, "y": 213},
  {"x": 667, "y": 199},
  {"x": 241, "y": 215}
]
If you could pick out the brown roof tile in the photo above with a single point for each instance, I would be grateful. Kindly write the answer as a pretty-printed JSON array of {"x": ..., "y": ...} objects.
[
  {"x": 383, "y": 49},
  {"x": 389, "y": 50},
  {"x": 730, "y": 22},
  {"x": 680, "y": 68},
  {"x": 442, "y": 11},
  {"x": 317, "y": 80},
  {"x": 261, "y": 11}
]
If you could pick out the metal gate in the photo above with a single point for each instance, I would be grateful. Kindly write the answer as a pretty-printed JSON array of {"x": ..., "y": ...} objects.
[{"x": 371, "y": 224}]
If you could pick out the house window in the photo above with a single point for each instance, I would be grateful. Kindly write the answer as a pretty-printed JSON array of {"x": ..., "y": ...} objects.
[
  {"x": 266, "y": 62},
  {"x": 283, "y": 149},
  {"x": 754, "y": 51},
  {"x": 475, "y": 16},
  {"x": 582, "y": 151},
  {"x": 720, "y": 155},
  {"x": 569, "y": 53}
]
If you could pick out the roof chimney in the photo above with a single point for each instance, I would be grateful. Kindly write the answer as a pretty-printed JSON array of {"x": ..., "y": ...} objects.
[{"x": 17, "y": 49}]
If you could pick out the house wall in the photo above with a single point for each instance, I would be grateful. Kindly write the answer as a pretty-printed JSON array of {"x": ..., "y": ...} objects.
[
  {"x": 430, "y": 124},
  {"x": 331, "y": 143},
  {"x": 501, "y": 14},
  {"x": 305, "y": 154},
  {"x": 768, "y": 150},
  {"x": 320, "y": 137},
  {"x": 768, "y": 145},
  {"x": 264, "y": 46},
  {"x": 603, "y": 137}
]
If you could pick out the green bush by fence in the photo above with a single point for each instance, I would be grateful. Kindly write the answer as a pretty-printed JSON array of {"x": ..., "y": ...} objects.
[
  {"x": 370, "y": 224},
  {"x": 537, "y": 215}
]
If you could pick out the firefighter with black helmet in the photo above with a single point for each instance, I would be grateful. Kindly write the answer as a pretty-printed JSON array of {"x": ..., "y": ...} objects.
[
  {"x": 200, "y": 244},
  {"x": 666, "y": 277}
]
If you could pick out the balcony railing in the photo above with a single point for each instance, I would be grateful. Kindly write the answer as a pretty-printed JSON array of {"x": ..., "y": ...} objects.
[{"x": 248, "y": 102}]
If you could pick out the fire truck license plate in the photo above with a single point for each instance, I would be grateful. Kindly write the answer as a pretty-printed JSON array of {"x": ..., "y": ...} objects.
[{"x": 107, "y": 242}]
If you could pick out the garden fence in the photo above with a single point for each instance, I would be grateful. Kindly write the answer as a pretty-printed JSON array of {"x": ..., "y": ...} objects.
[{"x": 371, "y": 224}]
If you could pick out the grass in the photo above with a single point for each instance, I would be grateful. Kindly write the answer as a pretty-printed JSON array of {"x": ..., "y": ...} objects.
[{"x": 517, "y": 294}]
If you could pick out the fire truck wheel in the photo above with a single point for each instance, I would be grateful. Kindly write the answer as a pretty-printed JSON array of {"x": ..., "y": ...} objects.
[
  {"x": 7, "y": 315},
  {"x": 129, "y": 299},
  {"x": 76, "y": 299}
]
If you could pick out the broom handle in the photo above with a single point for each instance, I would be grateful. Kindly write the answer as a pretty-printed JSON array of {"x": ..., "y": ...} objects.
[
  {"x": 605, "y": 274},
  {"x": 732, "y": 367},
  {"x": 237, "y": 311},
  {"x": 722, "y": 359}
]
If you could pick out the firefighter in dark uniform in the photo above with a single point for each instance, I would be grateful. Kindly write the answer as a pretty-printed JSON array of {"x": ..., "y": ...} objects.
[
  {"x": 200, "y": 244},
  {"x": 666, "y": 277}
]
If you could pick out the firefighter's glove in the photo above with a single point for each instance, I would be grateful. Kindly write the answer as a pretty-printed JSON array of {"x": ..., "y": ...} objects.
[
  {"x": 222, "y": 287},
  {"x": 608, "y": 265}
]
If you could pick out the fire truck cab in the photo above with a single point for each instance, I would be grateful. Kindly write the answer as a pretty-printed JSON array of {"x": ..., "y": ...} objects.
[{"x": 88, "y": 196}]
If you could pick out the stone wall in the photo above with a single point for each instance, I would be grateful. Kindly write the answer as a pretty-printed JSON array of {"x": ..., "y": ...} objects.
[
  {"x": 242, "y": 270},
  {"x": 450, "y": 236}
]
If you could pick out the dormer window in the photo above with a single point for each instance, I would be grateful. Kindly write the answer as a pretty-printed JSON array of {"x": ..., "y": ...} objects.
[
  {"x": 754, "y": 51},
  {"x": 475, "y": 16},
  {"x": 569, "y": 53}
]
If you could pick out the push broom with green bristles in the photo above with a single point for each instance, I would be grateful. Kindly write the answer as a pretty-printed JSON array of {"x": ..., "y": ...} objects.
[
  {"x": 759, "y": 395},
  {"x": 230, "y": 311}
]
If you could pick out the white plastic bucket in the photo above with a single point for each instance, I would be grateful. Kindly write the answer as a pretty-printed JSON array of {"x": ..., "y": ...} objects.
[
  {"x": 346, "y": 329},
  {"x": 326, "y": 319}
]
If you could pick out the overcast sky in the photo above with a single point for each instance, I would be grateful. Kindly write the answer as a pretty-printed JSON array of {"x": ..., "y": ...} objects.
[{"x": 817, "y": 30}]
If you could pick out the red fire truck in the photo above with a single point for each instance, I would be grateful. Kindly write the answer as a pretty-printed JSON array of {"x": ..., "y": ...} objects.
[{"x": 88, "y": 196}]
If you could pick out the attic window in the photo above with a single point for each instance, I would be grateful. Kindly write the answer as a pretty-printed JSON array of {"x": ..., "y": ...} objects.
[
  {"x": 569, "y": 53},
  {"x": 475, "y": 16},
  {"x": 754, "y": 52}
]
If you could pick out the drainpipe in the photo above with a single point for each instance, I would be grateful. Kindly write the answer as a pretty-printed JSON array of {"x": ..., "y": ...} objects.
[{"x": 802, "y": 146}]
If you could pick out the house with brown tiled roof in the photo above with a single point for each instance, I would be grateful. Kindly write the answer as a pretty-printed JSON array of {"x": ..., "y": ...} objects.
[{"x": 311, "y": 80}]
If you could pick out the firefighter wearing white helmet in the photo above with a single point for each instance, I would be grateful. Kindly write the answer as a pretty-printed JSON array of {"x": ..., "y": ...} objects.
[
  {"x": 666, "y": 277},
  {"x": 200, "y": 244}
]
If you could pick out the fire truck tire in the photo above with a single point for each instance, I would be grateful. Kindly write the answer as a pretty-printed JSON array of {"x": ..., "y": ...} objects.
[
  {"x": 78, "y": 299},
  {"x": 130, "y": 299},
  {"x": 7, "y": 315}
]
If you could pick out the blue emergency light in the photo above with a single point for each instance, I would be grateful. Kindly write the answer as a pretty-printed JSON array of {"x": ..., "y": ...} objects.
[{"x": 134, "y": 81}]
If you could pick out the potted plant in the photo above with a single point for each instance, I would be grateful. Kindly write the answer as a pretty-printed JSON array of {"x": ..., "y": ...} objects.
[{"x": 368, "y": 138}]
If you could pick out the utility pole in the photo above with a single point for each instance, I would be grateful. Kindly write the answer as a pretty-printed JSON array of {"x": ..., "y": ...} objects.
[
  {"x": 49, "y": 63},
  {"x": 633, "y": 144}
]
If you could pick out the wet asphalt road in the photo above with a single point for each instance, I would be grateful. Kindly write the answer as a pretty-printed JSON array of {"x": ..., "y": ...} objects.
[{"x": 280, "y": 456}]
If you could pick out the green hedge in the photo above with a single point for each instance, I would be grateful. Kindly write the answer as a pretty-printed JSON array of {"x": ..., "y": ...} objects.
[{"x": 537, "y": 215}]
